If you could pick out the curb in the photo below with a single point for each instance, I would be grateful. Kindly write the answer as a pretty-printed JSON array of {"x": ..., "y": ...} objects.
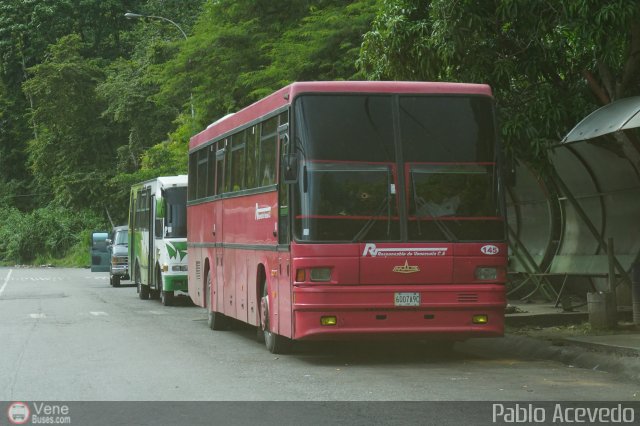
[
  {"x": 546, "y": 320},
  {"x": 563, "y": 351}
]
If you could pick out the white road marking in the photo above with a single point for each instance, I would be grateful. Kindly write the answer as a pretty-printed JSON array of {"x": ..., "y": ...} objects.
[
  {"x": 36, "y": 316},
  {"x": 156, "y": 312},
  {"x": 6, "y": 281},
  {"x": 98, "y": 313}
]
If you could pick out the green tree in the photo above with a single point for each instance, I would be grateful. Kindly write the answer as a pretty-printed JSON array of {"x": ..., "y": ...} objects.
[
  {"x": 73, "y": 151},
  {"x": 232, "y": 41},
  {"x": 549, "y": 62},
  {"x": 324, "y": 45}
]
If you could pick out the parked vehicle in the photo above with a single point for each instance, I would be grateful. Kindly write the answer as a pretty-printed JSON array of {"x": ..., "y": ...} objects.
[
  {"x": 118, "y": 244},
  {"x": 351, "y": 210},
  {"x": 158, "y": 237},
  {"x": 99, "y": 252}
]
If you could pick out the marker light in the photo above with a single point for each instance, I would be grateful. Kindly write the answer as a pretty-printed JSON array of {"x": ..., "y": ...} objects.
[
  {"x": 486, "y": 273},
  {"x": 328, "y": 320},
  {"x": 320, "y": 274},
  {"x": 480, "y": 319},
  {"x": 300, "y": 276},
  {"x": 165, "y": 267}
]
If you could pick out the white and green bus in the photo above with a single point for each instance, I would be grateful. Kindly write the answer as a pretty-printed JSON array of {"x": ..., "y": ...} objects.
[{"x": 158, "y": 237}]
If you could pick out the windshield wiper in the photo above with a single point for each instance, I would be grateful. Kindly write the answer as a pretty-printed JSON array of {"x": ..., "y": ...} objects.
[
  {"x": 420, "y": 203},
  {"x": 386, "y": 202}
]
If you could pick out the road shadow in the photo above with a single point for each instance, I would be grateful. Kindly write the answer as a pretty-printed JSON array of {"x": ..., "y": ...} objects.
[{"x": 361, "y": 352}]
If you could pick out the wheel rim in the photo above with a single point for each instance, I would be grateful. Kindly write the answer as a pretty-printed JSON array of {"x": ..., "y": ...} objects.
[
  {"x": 207, "y": 293},
  {"x": 264, "y": 313}
]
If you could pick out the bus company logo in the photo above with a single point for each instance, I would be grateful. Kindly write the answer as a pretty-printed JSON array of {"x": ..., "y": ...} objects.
[
  {"x": 490, "y": 249},
  {"x": 18, "y": 413},
  {"x": 263, "y": 212},
  {"x": 370, "y": 249},
  {"x": 406, "y": 268}
]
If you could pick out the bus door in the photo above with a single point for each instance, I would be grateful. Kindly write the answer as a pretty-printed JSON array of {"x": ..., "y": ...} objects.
[
  {"x": 100, "y": 261},
  {"x": 283, "y": 234},
  {"x": 152, "y": 236}
]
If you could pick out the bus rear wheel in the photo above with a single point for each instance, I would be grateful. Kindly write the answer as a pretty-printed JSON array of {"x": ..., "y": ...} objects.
[
  {"x": 275, "y": 343},
  {"x": 143, "y": 290},
  {"x": 215, "y": 320}
]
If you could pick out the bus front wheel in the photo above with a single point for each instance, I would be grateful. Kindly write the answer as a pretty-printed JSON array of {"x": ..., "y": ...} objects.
[{"x": 276, "y": 344}]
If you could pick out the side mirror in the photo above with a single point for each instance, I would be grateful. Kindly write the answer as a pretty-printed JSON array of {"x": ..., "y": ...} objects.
[{"x": 290, "y": 168}]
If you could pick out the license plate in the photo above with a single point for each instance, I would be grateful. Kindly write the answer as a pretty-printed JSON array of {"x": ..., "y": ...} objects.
[{"x": 407, "y": 299}]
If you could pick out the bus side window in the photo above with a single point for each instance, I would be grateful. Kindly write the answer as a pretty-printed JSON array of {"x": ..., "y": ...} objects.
[
  {"x": 193, "y": 177},
  {"x": 238, "y": 161},
  {"x": 201, "y": 181},
  {"x": 211, "y": 174},
  {"x": 220, "y": 168},
  {"x": 267, "y": 174},
  {"x": 252, "y": 157}
]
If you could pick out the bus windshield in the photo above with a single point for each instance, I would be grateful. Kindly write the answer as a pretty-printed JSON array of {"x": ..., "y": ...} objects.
[
  {"x": 349, "y": 201},
  {"x": 444, "y": 146},
  {"x": 176, "y": 212},
  {"x": 452, "y": 202}
]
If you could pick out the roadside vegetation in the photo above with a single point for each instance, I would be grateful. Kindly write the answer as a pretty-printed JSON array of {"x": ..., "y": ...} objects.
[{"x": 91, "y": 102}]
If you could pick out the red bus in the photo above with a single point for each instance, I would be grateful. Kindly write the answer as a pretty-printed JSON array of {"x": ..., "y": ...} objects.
[{"x": 351, "y": 210}]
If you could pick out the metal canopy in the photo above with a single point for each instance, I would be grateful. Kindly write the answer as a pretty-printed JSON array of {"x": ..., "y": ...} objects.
[{"x": 619, "y": 115}]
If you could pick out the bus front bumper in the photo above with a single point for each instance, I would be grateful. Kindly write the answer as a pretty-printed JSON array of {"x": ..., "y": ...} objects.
[
  {"x": 175, "y": 283},
  {"x": 444, "y": 312}
]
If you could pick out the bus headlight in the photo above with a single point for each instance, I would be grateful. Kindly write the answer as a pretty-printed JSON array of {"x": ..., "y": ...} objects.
[
  {"x": 486, "y": 273},
  {"x": 320, "y": 274},
  {"x": 179, "y": 268}
]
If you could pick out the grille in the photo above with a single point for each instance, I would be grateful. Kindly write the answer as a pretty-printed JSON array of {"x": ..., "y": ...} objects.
[{"x": 467, "y": 297}]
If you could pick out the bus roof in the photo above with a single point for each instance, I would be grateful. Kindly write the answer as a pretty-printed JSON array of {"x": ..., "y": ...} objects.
[
  {"x": 285, "y": 95},
  {"x": 179, "y": 180}
]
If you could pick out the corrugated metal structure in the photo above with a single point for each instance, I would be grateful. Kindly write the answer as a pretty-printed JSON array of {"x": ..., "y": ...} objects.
[{"x": 561, "y": 223}]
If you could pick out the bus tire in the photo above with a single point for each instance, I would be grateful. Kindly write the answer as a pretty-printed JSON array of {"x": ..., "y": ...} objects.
[
  {"x": 143, "y": 290},
  {"x": 166, "y": 297},
  {"x": 215, "y": 320},
  {"x": 275, "y": 343},
  {"x": 156, "y": 293}
]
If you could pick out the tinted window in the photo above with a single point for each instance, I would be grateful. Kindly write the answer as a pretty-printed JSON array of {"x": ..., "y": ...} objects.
[
  {"x": 201, "y": 183},
  {"x": 193, "y": 175},
  {"x": 211, "y": 173},
  {"x": 237, "y": 161},
  {"x": 176, "y": 212},
  {"x": 345, "y": 127},
  {"x": 267, "y": 170},
  {"x": 447, "y": 129},
  {"x": 252, "y": 156}
]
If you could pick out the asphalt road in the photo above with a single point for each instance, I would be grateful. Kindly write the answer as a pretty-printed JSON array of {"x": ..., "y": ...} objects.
[{"x": 65, "y": 334}]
